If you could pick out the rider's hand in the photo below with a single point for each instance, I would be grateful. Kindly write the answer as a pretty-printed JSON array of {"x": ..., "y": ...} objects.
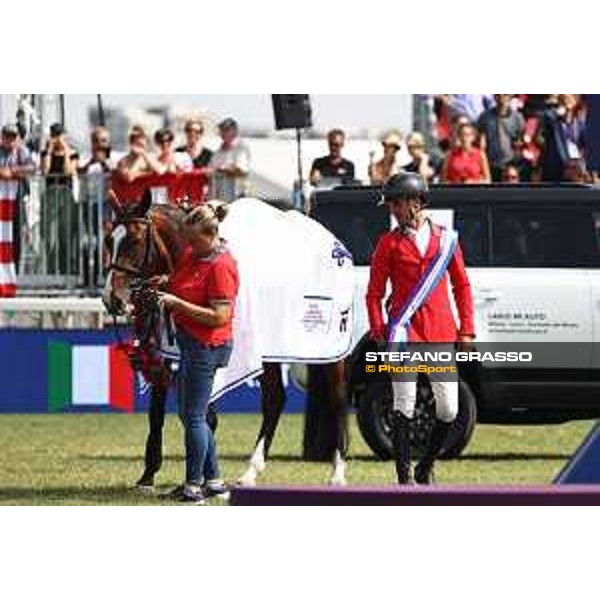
[
  {"x": 378, "y": 335},
  {"x": 466, "y": 343}
]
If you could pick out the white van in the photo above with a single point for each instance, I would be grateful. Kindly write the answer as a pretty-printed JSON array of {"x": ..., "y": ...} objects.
[{"x": 533, "y": 256}]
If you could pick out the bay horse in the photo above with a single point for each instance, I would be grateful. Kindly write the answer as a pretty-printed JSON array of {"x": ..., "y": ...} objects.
[{"x": 146, "y": 242}]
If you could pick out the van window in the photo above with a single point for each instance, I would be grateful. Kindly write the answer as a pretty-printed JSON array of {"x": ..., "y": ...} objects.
[
  {"x": 358, "y": 225},
  {"x": 544, "y": 238},
  {"x": 471, "y": 224}
]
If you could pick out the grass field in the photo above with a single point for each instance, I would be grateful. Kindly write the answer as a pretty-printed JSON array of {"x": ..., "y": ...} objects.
[{"x": 94, "y": 459}]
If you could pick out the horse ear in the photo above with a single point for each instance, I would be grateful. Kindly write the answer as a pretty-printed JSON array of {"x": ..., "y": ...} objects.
[
  {"x": 115, "y": 204},
  {"x": 145, "y": 204}
]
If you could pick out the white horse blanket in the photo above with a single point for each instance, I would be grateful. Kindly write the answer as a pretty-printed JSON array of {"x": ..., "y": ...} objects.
[{"x": 296, "y": 292}]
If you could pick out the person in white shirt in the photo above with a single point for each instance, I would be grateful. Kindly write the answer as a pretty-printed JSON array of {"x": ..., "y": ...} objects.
[
  {"x": 100, "y": 161},
  {"x": 231, "y": 164}
]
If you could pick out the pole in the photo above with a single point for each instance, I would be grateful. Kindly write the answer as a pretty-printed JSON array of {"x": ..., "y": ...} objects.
[
  {"x": 101, "y": 115},
  {"x": 61, "y": 98},
  {"x": 299, "y": 199}
]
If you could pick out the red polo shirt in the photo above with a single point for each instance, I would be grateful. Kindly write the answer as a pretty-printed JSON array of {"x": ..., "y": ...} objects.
[{"x": 203, "y": 282}]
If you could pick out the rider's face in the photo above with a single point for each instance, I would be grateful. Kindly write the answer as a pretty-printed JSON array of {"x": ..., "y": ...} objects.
[{"x": 405, "y": 211}]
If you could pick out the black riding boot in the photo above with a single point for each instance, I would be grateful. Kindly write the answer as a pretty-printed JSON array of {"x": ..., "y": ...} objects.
[
  {"x": 424, "y": 470},
  {"x": 401, "y": 443}
]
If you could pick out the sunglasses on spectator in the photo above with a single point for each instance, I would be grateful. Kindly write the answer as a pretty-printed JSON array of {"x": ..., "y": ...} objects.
[
  {"x": 394, "y": 146},
  {"x": 167, "y": 140},
  {"x": 194, "y": 130}
]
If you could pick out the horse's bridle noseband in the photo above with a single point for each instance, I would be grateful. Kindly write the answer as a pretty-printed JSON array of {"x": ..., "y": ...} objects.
[{"x": 151, "y": 235}]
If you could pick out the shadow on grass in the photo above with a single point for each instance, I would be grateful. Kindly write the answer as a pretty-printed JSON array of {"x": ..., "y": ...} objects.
[
  {"x": 368, "y": 458},
  {"x": 513, "y": 456},
  {"x": 124, "y": 458}
]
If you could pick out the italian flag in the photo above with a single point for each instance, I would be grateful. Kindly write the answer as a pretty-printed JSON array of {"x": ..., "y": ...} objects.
[{"x": 89, "y": 376}]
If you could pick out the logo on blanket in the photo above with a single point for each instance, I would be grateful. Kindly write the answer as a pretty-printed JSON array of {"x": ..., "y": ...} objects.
[{"x": 340, "y": 254}]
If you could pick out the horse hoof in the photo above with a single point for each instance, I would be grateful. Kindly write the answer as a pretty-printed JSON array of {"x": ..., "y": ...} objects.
[
  {"x": 338, "y": 480},
  {"x": 145, "y": 489},
  {"x": 247, "y": 480},
  {"x": 145, "y": 485}
]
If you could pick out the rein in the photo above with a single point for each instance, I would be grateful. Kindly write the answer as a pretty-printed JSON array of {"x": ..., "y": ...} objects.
[{"x": 144, "y": 296}]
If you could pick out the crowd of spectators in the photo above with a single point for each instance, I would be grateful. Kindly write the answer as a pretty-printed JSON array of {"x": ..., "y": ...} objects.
[
  {"x": 470, "y": 139},
  {"x": 481, "y": 139},
  {"x": 226, "y": 169}
]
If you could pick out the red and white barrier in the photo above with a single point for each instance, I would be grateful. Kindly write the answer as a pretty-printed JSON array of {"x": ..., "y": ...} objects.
[{"x": 8, "y": 207}]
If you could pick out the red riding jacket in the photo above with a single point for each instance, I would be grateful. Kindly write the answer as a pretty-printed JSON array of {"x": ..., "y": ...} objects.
[{"x": 398, "y": 259}]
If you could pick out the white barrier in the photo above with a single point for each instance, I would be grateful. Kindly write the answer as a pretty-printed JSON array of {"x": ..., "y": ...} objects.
[{"x": 52, "y": 313}]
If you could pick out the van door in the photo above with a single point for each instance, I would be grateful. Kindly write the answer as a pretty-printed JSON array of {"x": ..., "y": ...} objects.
[
  {"x": 594, "y": 276},
  {"x": 538, "y": 289}
]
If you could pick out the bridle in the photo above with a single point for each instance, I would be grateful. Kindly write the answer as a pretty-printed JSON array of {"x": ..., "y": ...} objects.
[
  {"x": 152, "y": 237},
  {"x": 144, "y": 296}
]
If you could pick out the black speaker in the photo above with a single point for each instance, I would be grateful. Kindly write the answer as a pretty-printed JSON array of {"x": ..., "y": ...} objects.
[{"x": 292, "y": 111}]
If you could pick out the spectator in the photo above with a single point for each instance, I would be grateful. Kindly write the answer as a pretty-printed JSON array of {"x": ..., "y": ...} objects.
[
  {"x": 100, "y": 161},
  {"x": 563, "y": 137},
  {"x": 424, "y": 164},
  {"x": 575, "y": 171},
  {"x": 441, "y": 109},
  {"x": 471, "y": 106},
  {"x": 60, "y": 219},
  {"x": 194, "y": 148},
  {"x": 334, "y": 165},
  {"x": 501, "y": 129},
  {"x": 59, "y": 161},
  {"x": 15, "y": 160},
  {"x": 171, "y": 161},
  {"x": 388, "y": 166},
  {"x": 138, "y": 162},
  {"x": 511, "y": 174},
  {"x": 466, "y": 163},
  {"x": 592, "y": 127},
  {"x": 15, "y": 165},
  {"x": 230, "y": 164}
]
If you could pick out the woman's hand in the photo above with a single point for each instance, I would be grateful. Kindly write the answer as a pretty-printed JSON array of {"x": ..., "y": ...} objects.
[
  {"x": 160, "y": 282},
  {"x": 168, "y": 301}
]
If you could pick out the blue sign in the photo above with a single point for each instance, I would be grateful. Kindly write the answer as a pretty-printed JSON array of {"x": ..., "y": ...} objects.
[{"x": 26, "y": 375}]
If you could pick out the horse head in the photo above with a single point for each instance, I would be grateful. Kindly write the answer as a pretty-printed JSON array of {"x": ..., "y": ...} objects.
[{"x": 145, "y": 241}]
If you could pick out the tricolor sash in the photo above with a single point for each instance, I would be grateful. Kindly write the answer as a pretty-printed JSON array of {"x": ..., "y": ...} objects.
[{"x": 436, "y": 270}]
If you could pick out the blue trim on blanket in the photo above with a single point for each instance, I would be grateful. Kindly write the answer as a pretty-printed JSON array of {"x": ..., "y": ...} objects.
[{"x": 237, "y": 383}]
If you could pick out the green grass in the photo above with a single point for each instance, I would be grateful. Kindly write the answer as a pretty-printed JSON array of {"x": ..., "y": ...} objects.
[{"x": 94, "y": 459}]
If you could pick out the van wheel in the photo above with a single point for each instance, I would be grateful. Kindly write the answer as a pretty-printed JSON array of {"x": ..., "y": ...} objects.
[{"x": 374, "y": 417}]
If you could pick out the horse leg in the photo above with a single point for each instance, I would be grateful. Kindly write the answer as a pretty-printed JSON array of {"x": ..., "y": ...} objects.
[
  {"x": 273, "y": 402},
  {"x": 338, "y": 395},
  {"x": 154, "y": 442}
]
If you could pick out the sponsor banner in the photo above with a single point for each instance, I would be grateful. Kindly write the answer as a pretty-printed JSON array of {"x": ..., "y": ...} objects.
[{"x": 87, "y": 371}]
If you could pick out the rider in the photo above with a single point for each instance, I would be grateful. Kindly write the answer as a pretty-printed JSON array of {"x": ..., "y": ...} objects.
[
  {"x": 402, "y": 257},
  {"x": 202, "y": 294}
]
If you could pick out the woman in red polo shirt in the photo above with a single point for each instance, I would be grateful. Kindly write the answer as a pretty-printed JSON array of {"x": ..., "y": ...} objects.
[
  {"x": 202, "y": 294},
  {"x": 466, "y": 163}
]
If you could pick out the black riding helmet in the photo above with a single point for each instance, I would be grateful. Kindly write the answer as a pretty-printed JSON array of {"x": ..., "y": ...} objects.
[{"x": 406, "y": 186}]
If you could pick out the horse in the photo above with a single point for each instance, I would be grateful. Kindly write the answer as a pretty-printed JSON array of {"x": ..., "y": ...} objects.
[{"x": 146, "y": 242}]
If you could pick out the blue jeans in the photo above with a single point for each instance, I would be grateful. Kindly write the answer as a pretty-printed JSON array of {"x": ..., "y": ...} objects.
[{"x": 199, "y": 365}]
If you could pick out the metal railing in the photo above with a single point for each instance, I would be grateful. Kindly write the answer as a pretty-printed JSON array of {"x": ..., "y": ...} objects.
[
  {"x": 60, "y": 231},
  {"x": 61, "y": 224}
]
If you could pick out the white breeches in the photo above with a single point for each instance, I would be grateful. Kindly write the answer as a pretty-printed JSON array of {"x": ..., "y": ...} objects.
[{"x": 445, "y": 393}]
